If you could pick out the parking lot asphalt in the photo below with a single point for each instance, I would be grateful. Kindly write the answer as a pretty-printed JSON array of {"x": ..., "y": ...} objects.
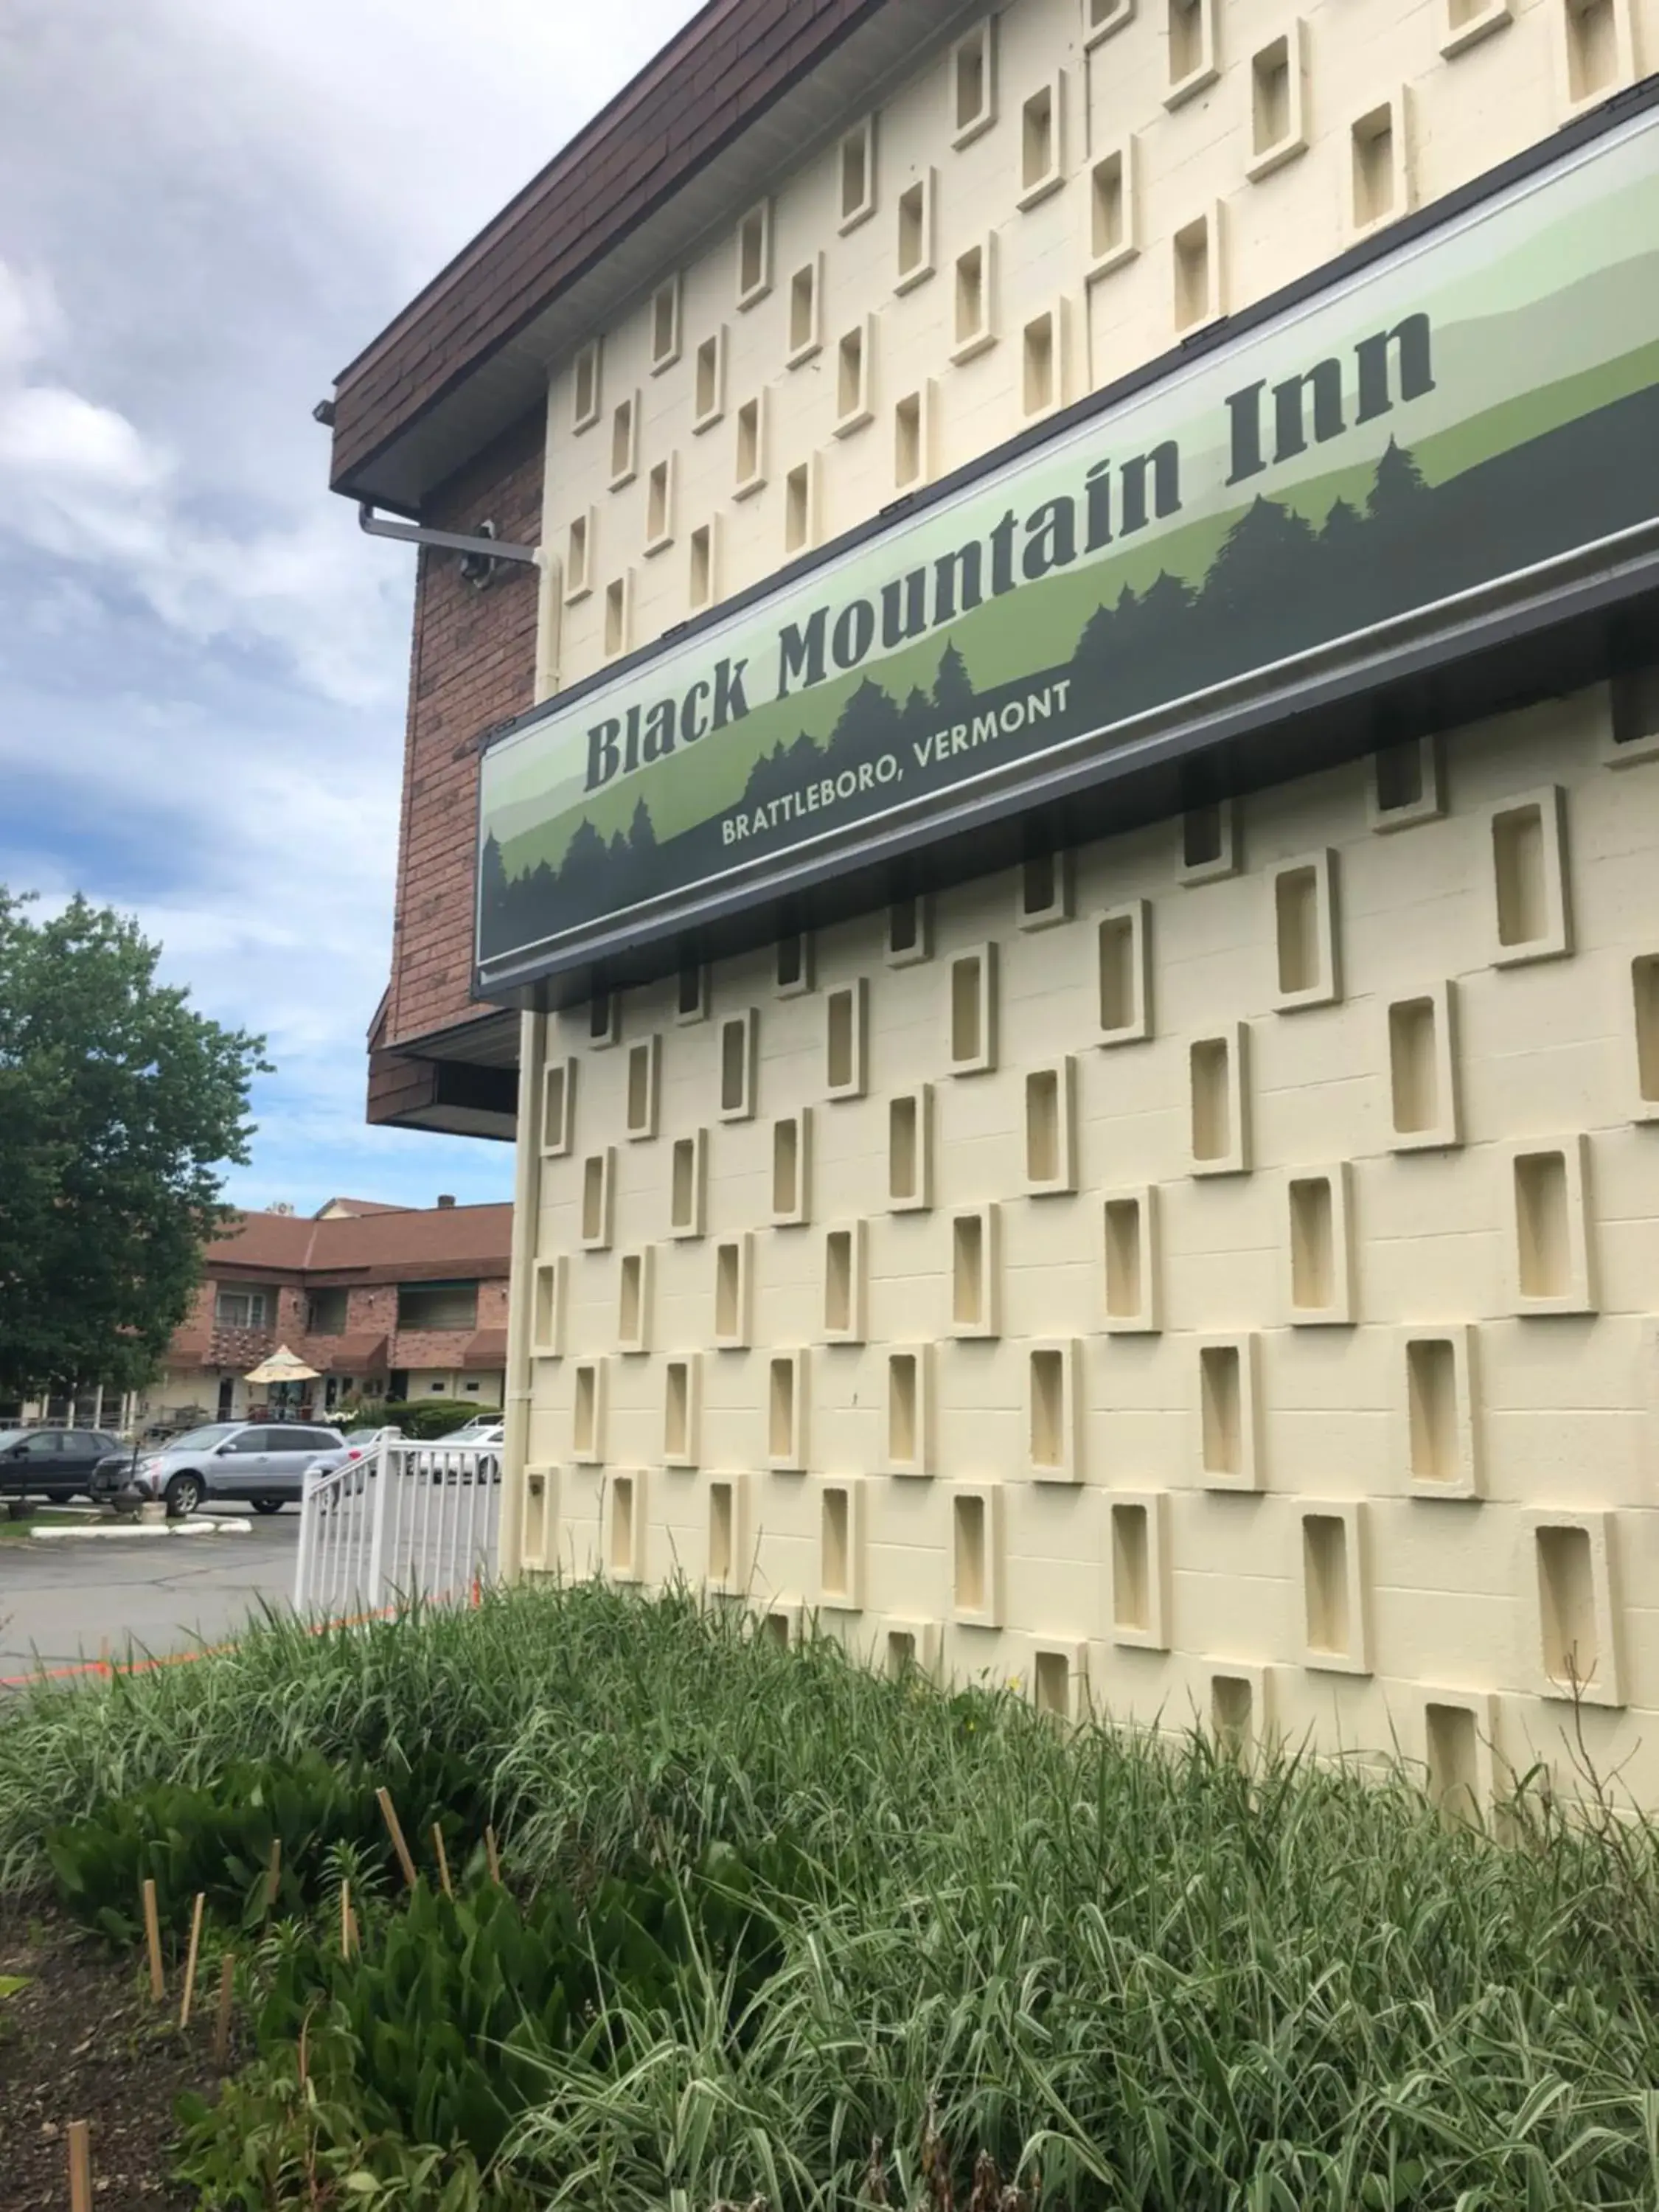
[{"x": 65, "y": 1603}]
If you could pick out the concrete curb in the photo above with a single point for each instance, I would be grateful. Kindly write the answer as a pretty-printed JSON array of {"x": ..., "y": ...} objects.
[{"x": 121, "y": 1529}]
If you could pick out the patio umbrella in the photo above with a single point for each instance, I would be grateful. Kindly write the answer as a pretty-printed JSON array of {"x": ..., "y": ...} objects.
[{"x": 282, "y": 1366}]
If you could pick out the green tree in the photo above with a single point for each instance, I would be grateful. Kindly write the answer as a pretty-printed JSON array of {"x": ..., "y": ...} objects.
[
  {"x": 953, "y": 688},
  {"x": 120, "y": 1106}
]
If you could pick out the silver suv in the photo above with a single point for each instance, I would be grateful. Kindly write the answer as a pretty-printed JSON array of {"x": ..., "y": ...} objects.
[{"x": 261, "y": 1464}]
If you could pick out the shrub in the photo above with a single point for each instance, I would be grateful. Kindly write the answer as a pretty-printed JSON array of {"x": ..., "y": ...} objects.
[{"x": 1110, "y": 1970}]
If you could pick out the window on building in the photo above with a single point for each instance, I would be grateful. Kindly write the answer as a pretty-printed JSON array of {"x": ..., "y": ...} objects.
[
  {"x": 239, "y": 1308},
  {"x": 326, "y": 1313},
  {"x": 437, "y": 1305}
]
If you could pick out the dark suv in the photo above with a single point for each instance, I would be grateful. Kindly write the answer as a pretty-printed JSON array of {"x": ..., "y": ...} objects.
[{"x": 52, "y": 1462}]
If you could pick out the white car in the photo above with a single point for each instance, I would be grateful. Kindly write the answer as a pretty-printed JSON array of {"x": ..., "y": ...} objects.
[
  {"x": 357, "y": 1449},
  {"x": 485, "y": 1430}
]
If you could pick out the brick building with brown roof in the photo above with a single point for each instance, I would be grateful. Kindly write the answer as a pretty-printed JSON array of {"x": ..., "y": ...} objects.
[{"x": 382, "y": 1301}]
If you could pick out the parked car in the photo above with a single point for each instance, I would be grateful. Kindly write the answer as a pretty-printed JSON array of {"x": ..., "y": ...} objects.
[
  {"x": 476, "y": 1434},
  {"x": 358, "y": 1447},
  {"x": 52, "y": 1462},
  {"x": 263, "y": 1464}
]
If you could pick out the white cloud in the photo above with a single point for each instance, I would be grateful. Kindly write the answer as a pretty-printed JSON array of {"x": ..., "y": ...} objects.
[{"x": 201, "y": 674}]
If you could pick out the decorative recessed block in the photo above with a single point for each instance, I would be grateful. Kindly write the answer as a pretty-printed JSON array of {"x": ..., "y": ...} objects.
[
  {"x": 1125, "y": 974},
  {"x": 1457, "y": 1744},
  {"x": 539, "y": 1520},
  {"x": 1319, "y": 1246},
  {"x": 1042, "y": 141},
  {"x": 726, "y": 1560},
  {"x": 549, "y": 1302},
  {"x": 846, "y": 1034},
  {"x": 846, "y": 1283},
  {"x": 1051, "y": 1129},
  {"x": 1551, "y": 1264},
  {"x": 1044, "y": 889},
  {"x": 1211, "y": 842},
  {"x": 633, "y": 1287},
  {"x": 908, "y": 1645},
  {"x": 587, "y": 1413},
  {"x": 1057, "y": 1678},
  {"x": 910, "y": 933},
  {"x": 793, "y": 961},
  {"x": 643, "y": 1089},
  {"x": 623, "y": 1525},
  {"x": 916, "y": 257},
  {"x": 907, "y": 1410},
  {"x": 691, "y": 993},
  {"x": 597, "y": 1200},
  {"x": 791, "y": 1169},
  {"x": 1218, "y": 1104},
  {"x": 840, "y": 1501},
  {"x": 1307, "y": 966},
  {"x": 1279, "y": 124},
  {"x": 1237, "y": 1708},
  {"x": 1227, "y": 1453},
  {"x": 1113, "y": 207},
  {"x": 977, "y": 1554},
  {"x": 1139, "y": 1570},
  {"x": 739, "y": 1052},
  {"x": 973, "y": 83},
  {"x": 1191, "y": 49},
  {"x": 682, "y": 1410},
  {"x": 1407, "y": 785},
  {"x": 970, "y": 1011},
  {"x": 1461, "y": 24},
  {"x": 910, "y": 1149},
  {"x": 1421, "y": 1039},
  {"x": 1336, "y": 1636},
  {"x": 688, "y": 1184},
  {"x": 1570, "y": 1572},
  {"x": 786, "y": 1412},
  {"x": 1644, "y": 1037},
  {"x": 1531, "y": 917},
  {"x": 1054, "y": 1449},
  {"x": 1438, "y": 1445},
  {"x": 732, "y": 1293},
  {"x": 976, "y": 1272},
  {"x": 1129, "y": 1219},
  {"x": 1630, "y": 732}
]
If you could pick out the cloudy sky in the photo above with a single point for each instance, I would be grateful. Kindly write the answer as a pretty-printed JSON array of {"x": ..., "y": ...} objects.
[{"x": 206, "y": 207}]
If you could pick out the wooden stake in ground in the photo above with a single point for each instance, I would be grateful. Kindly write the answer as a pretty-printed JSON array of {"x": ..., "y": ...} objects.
[
  {"x": 443, "y": 1858},
  {"x": 389, "y": 1813},
  {"x": 345, "y": 1919},
  {"x": 222, "y": 2023},
  {"x": 492, "y": 1855},
  {"x": 153, "y": 1941},
  {"x": 191, "y": 1956},
  {"x": 80, "y": 2165},
  {"x": 273, "y": 1875}
]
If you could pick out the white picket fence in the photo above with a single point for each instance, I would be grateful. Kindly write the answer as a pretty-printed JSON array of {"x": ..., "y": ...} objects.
[{"x": 409, "y": 1520}]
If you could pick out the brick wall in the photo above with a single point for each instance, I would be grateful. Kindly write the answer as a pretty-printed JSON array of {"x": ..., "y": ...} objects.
[
  {"x": 371, "y": 1310},
  {"x": 473, "y": 665}
]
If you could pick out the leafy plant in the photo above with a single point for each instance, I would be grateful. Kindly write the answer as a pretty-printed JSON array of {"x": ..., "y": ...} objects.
[
  {"x": 218, "y": 1841},
  {"x": 1115, "y": 1970},
  {"x": 290, "y": 2129}
]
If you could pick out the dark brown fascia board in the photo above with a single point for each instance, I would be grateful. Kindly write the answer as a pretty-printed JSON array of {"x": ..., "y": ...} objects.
[{"x": 463, "y": 359}]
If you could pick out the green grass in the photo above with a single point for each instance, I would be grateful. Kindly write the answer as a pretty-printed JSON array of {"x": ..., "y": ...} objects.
[
  {"x": 1130, "y": 1973},
  {"x": 17, "y": 1532}
]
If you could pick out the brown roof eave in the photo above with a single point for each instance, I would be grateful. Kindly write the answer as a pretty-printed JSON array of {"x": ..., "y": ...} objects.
[{"x": 706, "y": 90}]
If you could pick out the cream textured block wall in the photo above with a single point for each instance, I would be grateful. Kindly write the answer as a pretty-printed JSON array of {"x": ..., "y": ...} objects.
[
  {"x": 1196, "y": 158},
  {"x": 1316, "y": 1390},
  {"x": 1216, "y": 1282}
]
